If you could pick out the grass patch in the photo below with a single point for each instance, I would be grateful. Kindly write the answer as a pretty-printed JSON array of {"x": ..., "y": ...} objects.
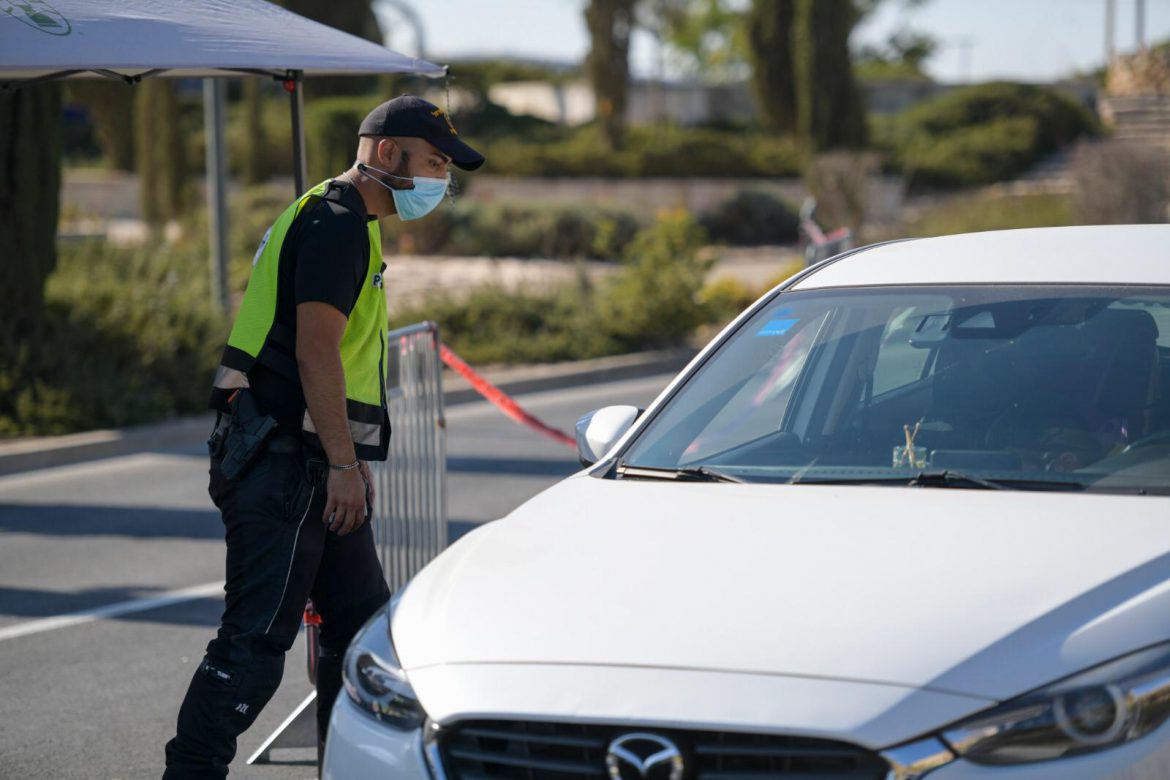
[{"x": 970, "y": 214}]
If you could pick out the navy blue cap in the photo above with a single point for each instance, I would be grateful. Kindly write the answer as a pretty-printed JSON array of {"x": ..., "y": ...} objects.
[{"x": 408, "y": 116}]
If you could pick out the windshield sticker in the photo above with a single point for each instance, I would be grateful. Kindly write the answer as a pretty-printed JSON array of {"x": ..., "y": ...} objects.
[{"x": 777, "y": 327}]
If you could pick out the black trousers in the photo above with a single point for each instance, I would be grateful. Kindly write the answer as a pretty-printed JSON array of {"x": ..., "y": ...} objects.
[{"x": 279, "y": 553}]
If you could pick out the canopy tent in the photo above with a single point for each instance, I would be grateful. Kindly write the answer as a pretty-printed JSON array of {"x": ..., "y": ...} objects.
[
  {"x": 130, "y": 40},
  {"x": 192, "y": 38}
]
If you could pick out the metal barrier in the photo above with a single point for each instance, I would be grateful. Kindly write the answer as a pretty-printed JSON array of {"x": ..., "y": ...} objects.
[
  {"x": 410, "y": 495},
  {"x": 410, "y": 488}
]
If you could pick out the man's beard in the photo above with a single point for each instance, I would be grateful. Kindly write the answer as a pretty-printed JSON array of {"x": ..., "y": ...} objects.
[{"x": 403, "y": 170}]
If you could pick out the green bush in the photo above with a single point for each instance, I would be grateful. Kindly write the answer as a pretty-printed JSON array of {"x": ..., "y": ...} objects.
[
  {"x": 751, "y": 218},
  {"x": 969, "y": 214},
  {"x": 980, "y": 154},
  {"x": 653, "y": 301},
  {"x": 516, "y": 230},
  {"x": 493, "y": 325},
  {"x": 331, "y": 134},
  {"x": 981, "y": 134},
  {"x": 649, "y": 151},
  {"x": 128, "y": 337},
  {"x": 724, "y": 298}
]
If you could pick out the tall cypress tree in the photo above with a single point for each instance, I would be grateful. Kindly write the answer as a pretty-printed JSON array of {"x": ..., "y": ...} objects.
[
  {"x": 355, "y": 17},
  {"x": 610, "y": 23},
  {"x": 769, "y": 28},
  {"x": 111, "y": 104},
  {"x": 829, "y": 108},
  {"x": 254, "y": 165},
  {"x": 160, "y": 155},
  {"x": 30, "y": 180}
]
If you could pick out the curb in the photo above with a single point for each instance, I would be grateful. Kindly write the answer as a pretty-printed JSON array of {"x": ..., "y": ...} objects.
[{"x": 47, "y": 451}]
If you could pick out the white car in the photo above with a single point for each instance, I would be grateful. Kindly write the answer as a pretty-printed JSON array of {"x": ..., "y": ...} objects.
[{"x": 907, "y": 516}]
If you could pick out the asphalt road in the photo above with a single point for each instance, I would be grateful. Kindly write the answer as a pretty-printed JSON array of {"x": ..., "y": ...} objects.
[{"x": 96, "y": 696}]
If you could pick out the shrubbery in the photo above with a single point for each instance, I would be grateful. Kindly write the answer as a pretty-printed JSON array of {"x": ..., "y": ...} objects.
[
  {"x": 751, "y": 218},
  {"x": 128, "y": 337},
  {"x": 649, "y": 151},
  {"x": 573, "y": 231},
  {"x": 652, "y": 301},
  {"x": 517, "y": 230},
  {"x": 973, "y": 213},
  {"x": 331, "y": 126},
  {"x": 981, "y": 134},
  {"x": 1121, "y": 184}
]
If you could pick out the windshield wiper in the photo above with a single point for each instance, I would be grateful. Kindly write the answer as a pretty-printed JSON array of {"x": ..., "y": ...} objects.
[
  {"x": 689, "y": 474},
  {"x": 947, "y": 478}
]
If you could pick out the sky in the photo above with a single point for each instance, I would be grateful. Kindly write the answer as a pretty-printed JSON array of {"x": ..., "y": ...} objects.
[{"x": 1027, "y": 40}]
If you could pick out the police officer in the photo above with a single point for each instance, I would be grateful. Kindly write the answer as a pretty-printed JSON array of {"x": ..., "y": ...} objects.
[{"x": 301, "y": 396}]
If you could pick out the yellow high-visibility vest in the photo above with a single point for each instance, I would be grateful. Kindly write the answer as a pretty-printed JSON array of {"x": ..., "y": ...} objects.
[{"x": 363, "y": 347}]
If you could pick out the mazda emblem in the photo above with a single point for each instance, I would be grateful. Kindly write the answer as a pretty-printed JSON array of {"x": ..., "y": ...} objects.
[{"x": 646, "y": 756}]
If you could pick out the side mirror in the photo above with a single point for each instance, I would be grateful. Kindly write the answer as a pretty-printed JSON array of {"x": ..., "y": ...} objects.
[{"x": 599, "y": 430}]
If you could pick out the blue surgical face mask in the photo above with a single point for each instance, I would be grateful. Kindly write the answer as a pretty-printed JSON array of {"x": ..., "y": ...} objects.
[{"x": 415, "y": 203}]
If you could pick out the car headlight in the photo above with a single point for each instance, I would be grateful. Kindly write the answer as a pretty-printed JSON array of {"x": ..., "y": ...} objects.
[
  {"x": 374, "y": 679},
  {"x": 1106, "y": 706}
]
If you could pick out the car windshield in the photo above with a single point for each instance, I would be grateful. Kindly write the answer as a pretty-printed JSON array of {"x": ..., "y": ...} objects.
[{"x": 1035, "y": 387}]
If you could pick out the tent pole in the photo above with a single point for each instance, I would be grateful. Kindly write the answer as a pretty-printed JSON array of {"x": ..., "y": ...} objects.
[
  {"x": 217, "y": 215},
  {"x": 294, "y": 84}
]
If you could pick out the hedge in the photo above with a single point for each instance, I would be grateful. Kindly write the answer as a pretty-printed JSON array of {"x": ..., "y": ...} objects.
[{"x": 981, "y": 134}]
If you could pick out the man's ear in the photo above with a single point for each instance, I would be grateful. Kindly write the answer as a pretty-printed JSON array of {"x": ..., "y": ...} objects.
[{"x": 387, "y": 153}]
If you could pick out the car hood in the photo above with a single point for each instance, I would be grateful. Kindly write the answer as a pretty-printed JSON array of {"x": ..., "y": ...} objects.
[{"x": 972, "y": 593}]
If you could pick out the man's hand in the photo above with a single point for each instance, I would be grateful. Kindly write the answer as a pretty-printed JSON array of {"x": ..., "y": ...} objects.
[
  {"x": 345, "y": 504},
  {"x": 369, "y": 478}
]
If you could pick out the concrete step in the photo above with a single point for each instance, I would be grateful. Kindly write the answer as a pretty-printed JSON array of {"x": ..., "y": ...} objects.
[
  {"x": 1153, "y": 133},
  {"x": 1138, "y": 117}
]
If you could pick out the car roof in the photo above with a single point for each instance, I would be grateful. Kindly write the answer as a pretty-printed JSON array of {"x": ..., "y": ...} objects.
[{"x": 1107, "y": 254}]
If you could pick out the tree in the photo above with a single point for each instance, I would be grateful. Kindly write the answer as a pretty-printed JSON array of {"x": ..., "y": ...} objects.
[
  {"x": 901, "y": 56},
  {"x": 355, "y": 17},
  {"x": 610, "y": 23},
  {"x": 769, "y": 24},
  {"x": 30, "y": 178},
  {"x": 703, "y": 37},
  {"x": 160, "y": 154},
  {"x": 111, "y": 104},
  {"x": 829, "y": 110},
  {"x": 254, "y": 167}
]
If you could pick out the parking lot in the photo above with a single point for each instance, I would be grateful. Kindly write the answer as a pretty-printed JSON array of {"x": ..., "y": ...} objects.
[{"x": 96, "y": 697}]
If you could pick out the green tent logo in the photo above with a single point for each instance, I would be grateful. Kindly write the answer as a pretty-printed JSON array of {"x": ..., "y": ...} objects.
[{"x": 37, "y": 14}]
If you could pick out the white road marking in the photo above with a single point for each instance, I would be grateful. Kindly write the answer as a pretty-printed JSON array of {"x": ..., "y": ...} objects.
[
  {"x": 111, "y": 610},
  {"x": 135, "y": 463}
]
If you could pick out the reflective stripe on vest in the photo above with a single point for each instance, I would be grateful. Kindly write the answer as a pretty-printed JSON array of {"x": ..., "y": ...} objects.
[{"x": 257, "y": 338}]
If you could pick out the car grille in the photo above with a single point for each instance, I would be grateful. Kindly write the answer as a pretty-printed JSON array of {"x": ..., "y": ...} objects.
[{"x": 515, "y": 750}]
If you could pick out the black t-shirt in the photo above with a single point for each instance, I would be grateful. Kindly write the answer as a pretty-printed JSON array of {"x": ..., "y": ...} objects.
[{"x": 325, "y": 257}]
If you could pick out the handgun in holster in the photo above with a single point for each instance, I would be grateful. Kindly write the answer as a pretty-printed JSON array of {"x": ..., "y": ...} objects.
[{"x": 242, "y": 441}]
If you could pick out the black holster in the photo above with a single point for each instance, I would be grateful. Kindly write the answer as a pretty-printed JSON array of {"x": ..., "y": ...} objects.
[{"x": 241, "y": 441}]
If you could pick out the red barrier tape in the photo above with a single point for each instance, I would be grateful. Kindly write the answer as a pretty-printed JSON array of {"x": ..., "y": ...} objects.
[{"x": 502, "y": 400}]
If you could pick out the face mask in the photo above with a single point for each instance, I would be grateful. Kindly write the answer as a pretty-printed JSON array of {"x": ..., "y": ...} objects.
[{"x": 416, "y": 203}]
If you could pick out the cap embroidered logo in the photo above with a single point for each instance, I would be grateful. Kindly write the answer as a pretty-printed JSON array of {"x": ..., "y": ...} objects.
[{"x": 440, "y": 112}]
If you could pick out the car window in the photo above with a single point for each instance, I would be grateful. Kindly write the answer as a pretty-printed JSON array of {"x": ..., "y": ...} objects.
[{"x": 1064, "y": 384}]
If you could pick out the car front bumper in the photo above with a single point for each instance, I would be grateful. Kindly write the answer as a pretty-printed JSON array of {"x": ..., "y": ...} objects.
[{"x": 360, "y": 747}]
